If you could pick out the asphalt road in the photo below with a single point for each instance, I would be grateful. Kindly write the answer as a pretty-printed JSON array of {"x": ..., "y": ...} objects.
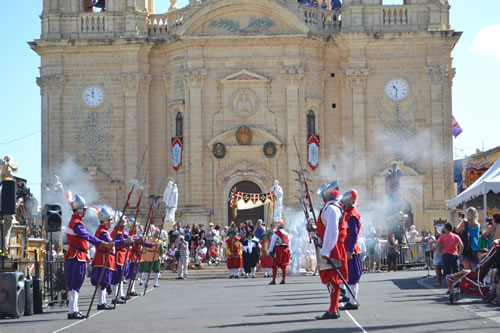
[{"x": 390, "y": 302}]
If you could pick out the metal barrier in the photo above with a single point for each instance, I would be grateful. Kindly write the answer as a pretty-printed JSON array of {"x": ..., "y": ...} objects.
[{"x": 412, "y": 254}]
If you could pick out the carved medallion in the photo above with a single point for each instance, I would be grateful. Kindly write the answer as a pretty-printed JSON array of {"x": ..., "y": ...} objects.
[
  {"x": 269, "y": 149},
  {"x": 219, "y": 150},
  {"x": 244, "y": 135},
  {"x": 244, "y": 102}
]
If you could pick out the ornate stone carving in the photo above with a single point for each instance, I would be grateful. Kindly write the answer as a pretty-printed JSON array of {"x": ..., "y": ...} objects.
[
  {"x": 292, "y": 75},
  {"x": 93, "y": 143},
  {"x": 255, "y": 25},
  {"x": 53, "y": 82},
  {"x": 244, "y": 102},
  {"x": 194, "y": 78},
  {"x": 132, "y": 81},
  {"x": 438, "y": 74},
  {"x": 244, "y": 135},
  {"x": 357, "y": 77}
]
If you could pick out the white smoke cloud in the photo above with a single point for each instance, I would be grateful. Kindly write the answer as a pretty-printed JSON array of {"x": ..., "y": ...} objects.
[{"x": 487, "y": 41}]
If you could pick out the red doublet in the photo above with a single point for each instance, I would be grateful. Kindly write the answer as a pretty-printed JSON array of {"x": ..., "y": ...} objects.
[
  {"x": 282, "y": 257},
  {"x": 133, "y": 254},
  {"x": 338, "y": 253},
  {"x": 78, "y": 246},
  {"x": 352, "y": 212},
  {"x": 100, "y": 253},
  {"x": 233, "y": 257},
  {"x": 121, "y": 250}
]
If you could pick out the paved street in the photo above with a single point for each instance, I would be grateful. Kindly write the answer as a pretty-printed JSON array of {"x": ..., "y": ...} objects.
[{"x": 403, "y": 303}]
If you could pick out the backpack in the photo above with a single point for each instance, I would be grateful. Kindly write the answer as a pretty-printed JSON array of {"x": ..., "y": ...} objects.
[{"x": 464, "y": 236}]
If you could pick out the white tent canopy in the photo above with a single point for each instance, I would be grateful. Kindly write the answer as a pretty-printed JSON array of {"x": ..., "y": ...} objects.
[{"x": 489, "y": 181}]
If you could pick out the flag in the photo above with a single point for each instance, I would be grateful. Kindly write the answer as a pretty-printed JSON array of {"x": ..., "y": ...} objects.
[
  {"x": 177, "y": 152},
  {"x": 456, "y": 127},
  {"x": 313, "y": 150}
]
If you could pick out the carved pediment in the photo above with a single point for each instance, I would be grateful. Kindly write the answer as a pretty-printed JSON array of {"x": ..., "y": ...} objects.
[
  {"x": 244, "y": 76},
  {"x": 238, "y": 18}
]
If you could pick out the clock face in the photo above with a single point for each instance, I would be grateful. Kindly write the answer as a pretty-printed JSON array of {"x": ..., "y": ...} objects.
[
  {"x": 396, "y": 89},
  {"x": 93, "y": 96}
]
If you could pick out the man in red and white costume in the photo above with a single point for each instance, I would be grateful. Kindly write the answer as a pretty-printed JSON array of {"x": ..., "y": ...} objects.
[
  {"x": 333, "y": 233},
  {"x": 279, "y": 246}
]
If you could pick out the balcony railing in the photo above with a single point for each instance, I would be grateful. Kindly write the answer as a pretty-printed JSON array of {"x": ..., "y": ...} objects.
[
  {"x": 163, "y": 24},
  {"x": 92, "y": 22},
  {"x": 395, "y": 15}
]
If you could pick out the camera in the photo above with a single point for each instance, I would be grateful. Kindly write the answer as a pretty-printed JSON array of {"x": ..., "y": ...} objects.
[
  {"x": 489, "y": 220},
  {"x": 461, "y": 215}
]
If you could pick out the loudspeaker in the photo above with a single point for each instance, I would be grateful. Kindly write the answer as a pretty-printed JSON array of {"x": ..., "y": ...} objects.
[
  {"x": 12, "y": 296},
  {"x": 52, "y": 217},
  {"x": 37, "y": 295},
  {"x": 28, "y": 291},
  {"x": 8, "y": 197}
]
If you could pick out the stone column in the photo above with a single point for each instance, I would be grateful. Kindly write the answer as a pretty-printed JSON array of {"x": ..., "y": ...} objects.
[
  {"x": 133, "y": 116},
  {"x": 193, "y": 136},
  {"x": 51, "y": 87},
  {"x": 440, "y": 143},
  {"x": 293, "y": 77},
  {"x": 357, "y": 79}
]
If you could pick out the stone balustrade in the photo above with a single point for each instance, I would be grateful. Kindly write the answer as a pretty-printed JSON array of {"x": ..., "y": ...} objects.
[
  {"x": 320, "y": 20},
  {"x": 92, "y": 22},
  {"x": 162, "y": 24},
  {"x": 395, "y": 15}
]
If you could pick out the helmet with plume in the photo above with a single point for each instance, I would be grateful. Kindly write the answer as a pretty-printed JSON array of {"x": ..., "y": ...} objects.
[
  {"x": 78, "y": 203},
  {"x": 105, "y": 214},
  {"x": 329, "y": 191},
  {"x": 349, "y": 198}
]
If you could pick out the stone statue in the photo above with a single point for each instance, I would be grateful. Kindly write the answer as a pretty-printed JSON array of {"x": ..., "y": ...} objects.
[
  {"x": 392, "y": 183},
  {"x": 244, "y": 104},
  {"x": 278, "y": 203},
  {"x": 172, "y": 5},
  {"x": 170, "y": 197}
]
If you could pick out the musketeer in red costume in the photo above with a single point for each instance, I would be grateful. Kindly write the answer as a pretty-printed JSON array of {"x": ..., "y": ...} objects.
[
  {"x": 76, "y": 259},
  {"x": 332, "y": 233},
  {"x": 280, "y": 251},
  {"x": 353, "y": 220},
  {"x": 106, "y": 218},
  {"x": 121, "y": 263},
  {"x": 233, "y": 254}
]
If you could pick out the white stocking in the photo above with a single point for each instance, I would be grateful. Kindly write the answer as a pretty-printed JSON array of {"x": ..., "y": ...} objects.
[
  {"x": 157, "y": 277},
  {"x": 114, "y": 291},
  {"x": 140, "y": 277},
  {"x": 75, "y": 300},
  {"x": 71, "y": 299},
  {"x": 254, "y": 269},
  {"x": 103, "y": 293},
  {"x": 132, "y": 289},
  {"x": 121, "y": 290},
  {"x": 99, "y": 296},
  {"x": 146, "y": 279},
  {"x": 354, "y": 288}
]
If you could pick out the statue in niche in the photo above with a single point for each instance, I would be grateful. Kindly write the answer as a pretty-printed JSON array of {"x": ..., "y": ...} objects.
[
  {"x": 392, "y": 187},
  {"x": 244, "y": 105}
]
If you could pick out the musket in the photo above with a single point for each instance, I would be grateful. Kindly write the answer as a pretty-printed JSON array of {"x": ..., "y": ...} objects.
[
  {"x": 137, "y": 210},
  {"x": 127, "y": 203},
  {"x": 149, "y": 219}
]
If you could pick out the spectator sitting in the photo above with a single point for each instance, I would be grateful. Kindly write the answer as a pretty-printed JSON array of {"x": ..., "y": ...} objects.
[
  {"x": 213, "y": 254},
  {"x": 172, "y": 258},
  {"x": 454, "y": 277},
  {"x": 200, "y": 255}
]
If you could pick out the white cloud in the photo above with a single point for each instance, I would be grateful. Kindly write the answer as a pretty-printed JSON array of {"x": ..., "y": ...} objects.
[{"x": 487, "y": 41}]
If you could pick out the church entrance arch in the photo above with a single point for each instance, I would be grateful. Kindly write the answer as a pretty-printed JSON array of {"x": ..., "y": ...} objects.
[{"x": 248, "y": 214}]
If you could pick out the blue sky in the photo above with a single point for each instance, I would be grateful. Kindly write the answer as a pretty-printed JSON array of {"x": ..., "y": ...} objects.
[{"x": 475, "y": 88}]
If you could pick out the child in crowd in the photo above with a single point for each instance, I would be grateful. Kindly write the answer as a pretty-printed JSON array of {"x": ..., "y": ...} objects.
[
  {"x": 213, "y": 254},
  {"x": 171, "y": 258},
  {"x": 200, "y": 255}
]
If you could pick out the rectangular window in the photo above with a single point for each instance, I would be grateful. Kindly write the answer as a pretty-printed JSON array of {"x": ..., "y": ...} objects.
[{"x": 394, "y": 2}]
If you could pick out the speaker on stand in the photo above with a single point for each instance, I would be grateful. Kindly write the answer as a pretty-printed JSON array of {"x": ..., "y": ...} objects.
[
  {"x": 28, "y": 291},
  {"x": 12, "y": 294},
  {"x": 52, "y": 217}
]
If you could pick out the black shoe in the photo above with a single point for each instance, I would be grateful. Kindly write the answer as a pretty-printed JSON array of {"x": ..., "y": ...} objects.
[
  {"x": 119, "y": 301},
  {"x": 272, "y": 282},
  {"x": 328, "y": 315},
  {"x": 122, "y": 298},
  {"x": 282, "y": 282},
  {"x": 231, "y": 277},
  {"x": 76, "y": 315},
  {"x": 178, "y": 278},
  {"x": 344, "y": 300},
  {"x": 104, "y": 307},
  {"x": 140, "y": 283},
  {"x": 125, "y": 282},
  {"x": 236, "y": 277},
  {"x": 349, "y": 306},
  {"x": 342, "y": 292},
  {"x": 156, "y": 286},
  {"x": 134, "y": 294}
]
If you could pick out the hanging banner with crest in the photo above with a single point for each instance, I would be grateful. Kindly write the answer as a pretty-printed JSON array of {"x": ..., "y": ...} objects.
[
  {"x": 313, "y": 150},
  {"x": 240, "y": 200},
  {"x": 177, "y": 152}
]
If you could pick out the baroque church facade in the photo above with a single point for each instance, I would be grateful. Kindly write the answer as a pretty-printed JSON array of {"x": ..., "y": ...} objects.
[{"x": 231, "y": 83}]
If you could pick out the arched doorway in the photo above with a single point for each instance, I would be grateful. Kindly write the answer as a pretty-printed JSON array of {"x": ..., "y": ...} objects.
[{"x": 247, "y": 214}]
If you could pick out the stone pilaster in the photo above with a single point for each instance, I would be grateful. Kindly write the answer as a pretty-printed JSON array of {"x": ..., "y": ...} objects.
[
  {"x": 357, "y": 82},
  {"x": 193, "y": 135},
  {"x": 51, "y": 87},
  {"x": 439, "y": 78},
  {"x": 133, "y": 84},
  {"x": 293, "y": 77}
]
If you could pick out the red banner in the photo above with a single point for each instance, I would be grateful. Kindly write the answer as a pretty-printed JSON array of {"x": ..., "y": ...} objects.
[
  {"x": 313, "y": 150},
  {"x": 177, "y": 152}
]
